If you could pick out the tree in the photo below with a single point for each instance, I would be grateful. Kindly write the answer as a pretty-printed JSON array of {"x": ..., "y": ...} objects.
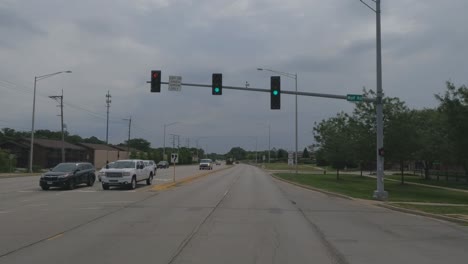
[
  {"x": 139, "y": 143},
  {"x": 93, "y": 140},
  {"x": 335, "y": 140},
  {"x": 454, "y": 107},
  {"x": 401, "y": 139},
  {"x": 282, "y": 154},
  {"x": 432, "y": 138},
  {"x": 305, "y": 154},
  {"x": 237, "y": 153}
]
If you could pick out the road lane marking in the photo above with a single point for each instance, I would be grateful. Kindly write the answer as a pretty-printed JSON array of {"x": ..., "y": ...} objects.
[
  {"x": 4, "y": 212},
  {"x": 27, "y": 191},
  {"x": 115, "y": 202},
  {"x": 36, "y": 205},
  {"x": 55, "y": 237},
  {"x": 90, "y": 208},
  {"x": 185, "y": 180}
]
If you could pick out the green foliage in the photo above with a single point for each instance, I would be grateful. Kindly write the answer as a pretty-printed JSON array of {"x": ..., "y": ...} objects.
[
  {"x": 5, "y": 161},
  {"x": 93, "y": 140},
  {"x": 454, "y": 107},
  {"x": 139, "y": 143},
  {"x": 237, "y": 153},
  {"x": 305, "y": 153}
]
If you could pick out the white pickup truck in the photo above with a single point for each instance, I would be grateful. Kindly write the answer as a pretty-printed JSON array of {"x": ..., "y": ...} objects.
[{"x": 126, "y": 173}]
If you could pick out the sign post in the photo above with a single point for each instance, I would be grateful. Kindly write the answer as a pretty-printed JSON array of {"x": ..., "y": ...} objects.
[{"x": 174, "y": 160}]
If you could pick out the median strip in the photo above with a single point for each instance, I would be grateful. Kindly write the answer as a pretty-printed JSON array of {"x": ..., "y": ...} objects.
[{"x": 184, "y": 180}]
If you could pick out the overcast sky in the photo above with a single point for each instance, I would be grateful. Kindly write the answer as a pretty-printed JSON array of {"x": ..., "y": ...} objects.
[{"x": 114, "y": 44}]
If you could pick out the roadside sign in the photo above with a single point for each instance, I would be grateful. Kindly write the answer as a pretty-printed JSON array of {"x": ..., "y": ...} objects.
[
  {"x": 354, "y": 97},
  {"x": 290, "y": 155},
  {"x": 264, "y": 158},
  {"x": 290, "y": 162},
  {"x": 174, "y": 158},
  {"x": 175, "y": 83}
]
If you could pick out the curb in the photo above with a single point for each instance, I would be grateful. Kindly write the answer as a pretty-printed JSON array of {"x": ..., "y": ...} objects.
[
  {"x": 184, "y": 180},
  {"x": 313, "y": 188},
  {"x": 421, "y": 213},
  {"x": 383, "y": 205}
]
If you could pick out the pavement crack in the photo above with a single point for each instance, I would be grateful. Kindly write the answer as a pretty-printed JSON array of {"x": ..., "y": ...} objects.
[
  {"x": 189, "y": 238},
  {"x": 75, "y": 227}
]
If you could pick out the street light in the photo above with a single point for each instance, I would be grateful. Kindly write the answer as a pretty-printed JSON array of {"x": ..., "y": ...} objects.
[
  {"x": 292, "y": 76},
  {"x": 380, "y": 193},
  {"x": 164, "y": 141},
  {"x": 36, "y": 79}
]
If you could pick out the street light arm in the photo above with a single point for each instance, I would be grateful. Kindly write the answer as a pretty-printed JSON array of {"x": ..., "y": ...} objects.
[
  {"x": 38, "y": 78},
  {"x": 286, "y": 74},
  {"x": 371, "y": 8}
]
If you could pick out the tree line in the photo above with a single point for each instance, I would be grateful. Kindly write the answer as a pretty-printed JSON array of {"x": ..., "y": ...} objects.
[{"x": 432, "y": 138}]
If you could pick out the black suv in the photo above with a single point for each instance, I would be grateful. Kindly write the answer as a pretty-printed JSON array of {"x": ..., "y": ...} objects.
[{"x": 68, "y": 175}]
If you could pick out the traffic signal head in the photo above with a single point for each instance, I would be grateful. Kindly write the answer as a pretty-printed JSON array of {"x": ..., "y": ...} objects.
[
  {"x": 217, "y": 84},
  {"x": 275, "y": 92},
  {"x": 155, "y": 81}
]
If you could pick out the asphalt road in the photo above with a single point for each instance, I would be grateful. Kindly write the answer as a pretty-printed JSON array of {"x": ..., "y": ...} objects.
[{"x": 238, "y": 215}]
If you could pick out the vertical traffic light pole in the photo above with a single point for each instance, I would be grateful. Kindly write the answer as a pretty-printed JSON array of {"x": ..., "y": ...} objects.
[{"x": 380, "y": 193}]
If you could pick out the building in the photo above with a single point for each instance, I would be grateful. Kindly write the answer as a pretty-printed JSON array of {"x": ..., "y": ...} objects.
[
  {"x": 100, "y": 154},
  {"x": 47, "y": 152}
]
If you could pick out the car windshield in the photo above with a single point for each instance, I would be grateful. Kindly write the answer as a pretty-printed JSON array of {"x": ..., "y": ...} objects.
[
  {"x": 162, "y": 163},
  {"x": 205, "y": 161},
  {"x": 64, "y": 167},
  {"x": 146, "y": 163},
  {"x": 111, "y": 165},
  {"x": 123, "y": 165}
]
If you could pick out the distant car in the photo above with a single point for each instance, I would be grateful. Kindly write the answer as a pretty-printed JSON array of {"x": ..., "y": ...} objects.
[
  {"x": 218, "y": 162},
  {"x": 151, "y": 165},
  {"x": 68, "y": 175},
  {"x": 206, "y": 164},
  {"x": 162, "y": 165}
]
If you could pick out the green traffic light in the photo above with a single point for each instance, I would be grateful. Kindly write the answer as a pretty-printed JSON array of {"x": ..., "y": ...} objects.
[
  {"x": 275, "y": 92},
  {"x": 216, "y": 90}
]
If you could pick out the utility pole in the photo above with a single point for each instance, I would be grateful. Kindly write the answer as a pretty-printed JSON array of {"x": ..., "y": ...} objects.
[
  {"x": 129, "y": 130},
  {"x": 108, "y": 102},
  {"x": 59, "y": 99},
  {"x": 380, "y": 193}
]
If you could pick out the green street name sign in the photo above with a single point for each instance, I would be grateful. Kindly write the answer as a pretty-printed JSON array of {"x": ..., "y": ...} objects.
[{"x": 354, "y": 97}]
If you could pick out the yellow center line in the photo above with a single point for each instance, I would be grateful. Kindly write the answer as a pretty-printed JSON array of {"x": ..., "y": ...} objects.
[
  {"x": 55, "y": 237},
  {"x": 185, "y": 180}
]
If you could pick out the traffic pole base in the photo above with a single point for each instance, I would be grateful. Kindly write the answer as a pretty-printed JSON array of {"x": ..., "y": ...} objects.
[{"x": 381, "y": 196}]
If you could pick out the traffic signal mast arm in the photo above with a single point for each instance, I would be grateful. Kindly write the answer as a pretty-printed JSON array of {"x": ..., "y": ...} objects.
[{"x": 333, "y": 96}]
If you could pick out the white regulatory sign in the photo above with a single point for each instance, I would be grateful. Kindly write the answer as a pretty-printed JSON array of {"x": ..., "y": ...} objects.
[
  {"x": 174, "y": 158},
  {"x": 175, "y": 83}
]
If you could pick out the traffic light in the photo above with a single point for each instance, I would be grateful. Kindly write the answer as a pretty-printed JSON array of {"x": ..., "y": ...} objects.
[
  {"x": 217, "y": 84},
  {"x": 275, "y": 92},
  {"x": 155, "y": 81}
]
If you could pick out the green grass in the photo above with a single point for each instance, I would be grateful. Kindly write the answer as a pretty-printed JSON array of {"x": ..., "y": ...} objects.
[
  {"x": 285, "y": 166},
  {"x": 442, "y": 183},
  {"x": 363, "y": 187},
  {"x": 437, "y": 209}
]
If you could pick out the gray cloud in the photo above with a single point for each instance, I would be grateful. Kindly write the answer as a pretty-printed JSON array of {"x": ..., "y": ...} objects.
[{"x": 113, "y": 45}]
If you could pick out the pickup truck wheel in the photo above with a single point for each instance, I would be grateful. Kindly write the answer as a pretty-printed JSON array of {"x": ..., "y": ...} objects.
[
  {"x": 133, "y": 184},
  {"x": 45, "y": 187},
  {"x": 91, "y": 180},
  {"x": 150, "y": 179},
  {"x": 105, "y": 186}
]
